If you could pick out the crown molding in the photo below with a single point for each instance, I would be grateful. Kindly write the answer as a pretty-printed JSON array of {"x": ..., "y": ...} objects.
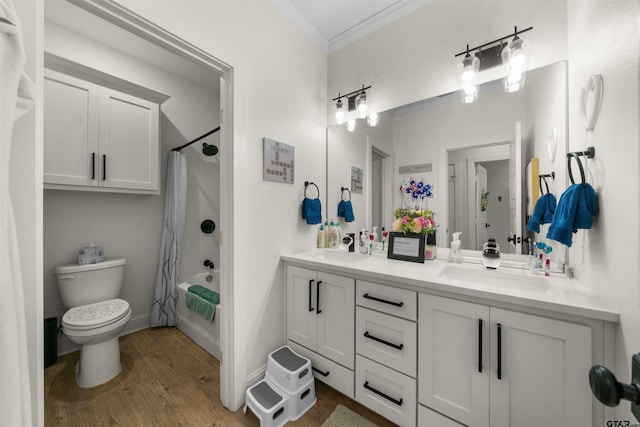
[
  {"x": 293, "y": 14},
  {"x": 378, "y": 20}
]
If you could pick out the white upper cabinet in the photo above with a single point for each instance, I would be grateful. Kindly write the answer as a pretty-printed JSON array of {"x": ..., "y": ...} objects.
[{"x": 100, "y": 133}]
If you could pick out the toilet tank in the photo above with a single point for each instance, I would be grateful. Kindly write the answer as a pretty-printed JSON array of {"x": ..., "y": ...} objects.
[{"x": 81, "y": 284}]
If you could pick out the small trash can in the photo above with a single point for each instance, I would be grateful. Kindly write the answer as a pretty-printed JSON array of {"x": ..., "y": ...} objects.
[{"x": 50, "y": 341}]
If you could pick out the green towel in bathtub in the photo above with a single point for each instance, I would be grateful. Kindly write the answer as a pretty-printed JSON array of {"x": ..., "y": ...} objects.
[{"x": 202, "y": 301}]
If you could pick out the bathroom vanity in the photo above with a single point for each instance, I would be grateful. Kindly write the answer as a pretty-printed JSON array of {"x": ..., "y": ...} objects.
[{"x": 449, "y": 344}]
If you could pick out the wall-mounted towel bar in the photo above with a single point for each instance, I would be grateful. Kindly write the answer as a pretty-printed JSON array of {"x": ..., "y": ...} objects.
[{"x": 589, "y": 153}]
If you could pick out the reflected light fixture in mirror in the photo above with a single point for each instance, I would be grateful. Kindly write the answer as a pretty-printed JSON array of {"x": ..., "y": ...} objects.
[
  {"x": 339, "y": 111},
  {"x": 351, "y": 125}
]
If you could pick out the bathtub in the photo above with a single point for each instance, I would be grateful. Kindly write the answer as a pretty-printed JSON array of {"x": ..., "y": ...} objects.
[{"x": 205, "y": 334}]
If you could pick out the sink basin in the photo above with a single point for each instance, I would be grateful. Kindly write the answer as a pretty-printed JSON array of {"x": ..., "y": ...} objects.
[
  {"x": 519, "y": 279},
  {"x": 346, "y": 257}
]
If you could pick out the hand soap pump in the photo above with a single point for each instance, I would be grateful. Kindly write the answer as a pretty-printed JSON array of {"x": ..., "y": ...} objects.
[
  {"x": 455, "y": 251},
  {"x": 491, "y": 254}
]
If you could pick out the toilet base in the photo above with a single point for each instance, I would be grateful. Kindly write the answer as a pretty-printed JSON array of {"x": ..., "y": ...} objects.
[{"x": 99, "y": 363}]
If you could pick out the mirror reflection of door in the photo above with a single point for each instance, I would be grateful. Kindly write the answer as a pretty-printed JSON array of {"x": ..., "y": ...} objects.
[
  {"x": 515, "y": 189},
  {"x": 453, "y": 194},
  {"x": 481, "y": 205},
  {"x": 376, "y": 188}
]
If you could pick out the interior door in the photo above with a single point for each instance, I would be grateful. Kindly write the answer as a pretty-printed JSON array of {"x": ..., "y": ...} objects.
[
  {"x": 481, "y": 206},
  {"x": 515, "y": 189}
]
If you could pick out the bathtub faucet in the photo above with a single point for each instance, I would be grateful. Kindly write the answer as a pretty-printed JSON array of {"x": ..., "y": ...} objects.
[{"x": 208, "y": 263}]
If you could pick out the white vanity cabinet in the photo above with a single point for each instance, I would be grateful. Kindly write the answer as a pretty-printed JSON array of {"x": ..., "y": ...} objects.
[
  {"x": 487, "y": 366},
  {"x": 100, "y": 133},
  {"x": 320, "y": 323},
  {"x": 386, "y": 350}
]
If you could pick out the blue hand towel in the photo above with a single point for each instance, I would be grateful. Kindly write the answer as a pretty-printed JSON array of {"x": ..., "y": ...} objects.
[
  {"x": 312, "y": 211},
  {"x": 543, "y": 212},
  {"x": 345, "y": 210},
  {"x": 576, "y": 209}
]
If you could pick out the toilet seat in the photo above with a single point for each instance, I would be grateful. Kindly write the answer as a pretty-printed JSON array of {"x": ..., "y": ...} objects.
[{"x": 92, "y": 316}]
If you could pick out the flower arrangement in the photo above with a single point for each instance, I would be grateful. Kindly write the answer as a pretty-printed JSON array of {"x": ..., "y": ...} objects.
[
  {"x": 414, "y": 221},
  {"x": 415, "y": 192}
]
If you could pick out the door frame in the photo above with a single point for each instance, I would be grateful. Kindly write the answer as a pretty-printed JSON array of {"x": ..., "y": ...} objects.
[{"x": 147, "y": 30}]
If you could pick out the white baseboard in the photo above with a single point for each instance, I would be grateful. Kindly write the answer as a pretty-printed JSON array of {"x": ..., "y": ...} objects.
[
  {"x": 256, "y": 375},
  {"x": 135, "y": 324}
]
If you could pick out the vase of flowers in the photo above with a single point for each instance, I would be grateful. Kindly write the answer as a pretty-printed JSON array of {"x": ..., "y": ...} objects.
[{"x": 418, "y": 221}]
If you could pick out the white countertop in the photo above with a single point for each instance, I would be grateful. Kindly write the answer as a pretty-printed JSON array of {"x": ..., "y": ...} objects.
[{"x": 522, "y": 287}]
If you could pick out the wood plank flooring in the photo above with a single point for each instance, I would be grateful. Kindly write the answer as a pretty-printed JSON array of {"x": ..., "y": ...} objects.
[{"x": 166, "y": 380}]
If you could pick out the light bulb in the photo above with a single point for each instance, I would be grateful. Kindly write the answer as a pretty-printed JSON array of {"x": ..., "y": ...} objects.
[
  {"x": 372, "y": 119},
  {"x": 363, "y": 108},
  {"x": 467, "y": 73},
  {"x": 515, "y": 59},
  {"x": 351, "y": 125},
  {"x": 468, "y": 94},
  {"x": 339, "y": 112}
]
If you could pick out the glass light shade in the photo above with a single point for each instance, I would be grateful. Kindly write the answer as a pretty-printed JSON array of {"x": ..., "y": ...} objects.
[
  {"x": 363, "y": 108},
  {"x": 467, "y": 70},
  {"x": 339, "y": 112},
  {"x": 351, "y": 125},
  {"x": 372, "y": 119},
  {"x": 515, "y": 59},
  {"x": 468, "y": 94}
]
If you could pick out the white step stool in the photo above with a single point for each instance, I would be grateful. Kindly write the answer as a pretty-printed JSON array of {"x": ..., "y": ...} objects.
[
  {"x": 288, "y": 370},
  {"x": 268, "y": 404},
  {"x": 301, "y": 401}
]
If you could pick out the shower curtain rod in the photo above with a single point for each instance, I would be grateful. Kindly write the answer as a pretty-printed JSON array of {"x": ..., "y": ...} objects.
[{"x": 197, "y": 139}]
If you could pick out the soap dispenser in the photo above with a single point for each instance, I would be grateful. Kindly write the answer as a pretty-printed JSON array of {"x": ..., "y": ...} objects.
[
  {"x": 491, "y": 254},
  {"x": 455, "y": 251}
]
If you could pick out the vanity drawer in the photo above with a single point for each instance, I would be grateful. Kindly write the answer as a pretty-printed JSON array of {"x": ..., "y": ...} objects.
[
  {"x": 385, "y": 391},
  {"x": 337, "y": 376},
  {"x": 387, "y": 340},
  {"x": 427, "y": 417},
  {"x": 388, "y": 299}
]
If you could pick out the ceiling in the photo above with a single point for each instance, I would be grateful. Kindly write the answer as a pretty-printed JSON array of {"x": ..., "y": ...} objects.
[{"x": 336, "y": 23}]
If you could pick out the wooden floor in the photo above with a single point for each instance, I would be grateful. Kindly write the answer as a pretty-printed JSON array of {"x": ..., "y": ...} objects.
[{"x": 166, "y": 380}]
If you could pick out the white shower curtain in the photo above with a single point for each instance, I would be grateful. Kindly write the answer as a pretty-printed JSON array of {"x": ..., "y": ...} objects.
[
  {"x": 16, "y": 97},
  {"x": 163, "y": 310}
]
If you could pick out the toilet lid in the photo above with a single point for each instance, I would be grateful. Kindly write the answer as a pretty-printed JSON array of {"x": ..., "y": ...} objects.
[{"x": 95, "y": 315}]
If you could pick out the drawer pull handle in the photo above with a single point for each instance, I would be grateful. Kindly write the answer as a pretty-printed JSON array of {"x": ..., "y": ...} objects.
[
  {"x": 324, "y": 374},
  {"x": 380, "y": 340},
  {"x": 379, "y": 393},
  {"x": 93, "y": 165},
  {"x": 397, "y": 304}
]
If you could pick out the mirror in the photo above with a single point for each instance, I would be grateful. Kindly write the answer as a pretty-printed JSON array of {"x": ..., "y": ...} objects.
[{"x": 448, "y": 144}]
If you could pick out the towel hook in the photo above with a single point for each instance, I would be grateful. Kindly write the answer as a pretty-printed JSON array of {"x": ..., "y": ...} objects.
[
  {"x": 589, "y": 153},
  {"x": 342, "y": 190},
  {"x": 307, "y": 184}
]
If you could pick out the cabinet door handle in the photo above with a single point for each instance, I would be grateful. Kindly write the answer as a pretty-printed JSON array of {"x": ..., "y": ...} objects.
[
  {"x": 104, "y": 167},
  {"x": 93, "y": 165},
  {"x": 324, "y": 374},
  {"x": 318, "y": 311},
  {"x": 499, "y": 351},
  {"x": 379, "y": 393},
  {"x": 310, "y": 286},
  {"x": 380, "y": 340},
  {"x": 479, "y": 345},
  {"x": 397, "y": 304}
]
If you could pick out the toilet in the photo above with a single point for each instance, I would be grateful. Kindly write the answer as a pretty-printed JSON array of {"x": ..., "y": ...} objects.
[{"x": 95, "y": 317}]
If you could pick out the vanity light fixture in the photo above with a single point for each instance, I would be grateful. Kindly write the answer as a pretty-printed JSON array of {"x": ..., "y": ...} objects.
[
  {"x": 514, "y": 56},
  {"x": 357, "y": 102}
]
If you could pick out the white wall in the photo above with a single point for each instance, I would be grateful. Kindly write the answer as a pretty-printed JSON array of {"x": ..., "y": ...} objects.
[
  {"x": 129, "y": 225},
  {"x": 280, "y": 78},
  {"x": 604, "y": 39}
]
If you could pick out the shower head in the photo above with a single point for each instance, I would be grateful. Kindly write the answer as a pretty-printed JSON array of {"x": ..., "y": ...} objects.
[{"x": 209, "y": 150}]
